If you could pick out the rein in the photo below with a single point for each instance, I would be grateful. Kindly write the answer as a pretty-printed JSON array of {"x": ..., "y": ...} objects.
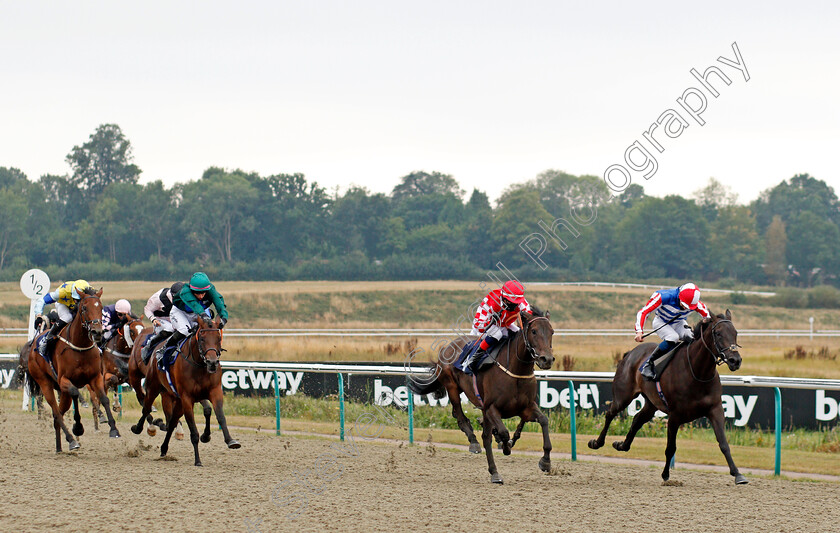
[
  {"x": 719, "y": 355},
  {"x": 73, "y": 346},
  {"x": 529, "y": 349}
]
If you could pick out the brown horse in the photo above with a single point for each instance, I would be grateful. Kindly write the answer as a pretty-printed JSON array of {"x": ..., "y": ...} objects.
[
  {"x": 508, "y": 388},
  {"x": 77, "y": 363},
  {"x": 195, "y": 374},
  {"x": 136, "y": 373},
  {"x": 690, "y": 385},
  {"x": 115, "y": 356}
]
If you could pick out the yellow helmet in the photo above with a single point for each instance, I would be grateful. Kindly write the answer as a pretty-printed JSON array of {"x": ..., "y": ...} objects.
[{"x": 79, "y": 287}]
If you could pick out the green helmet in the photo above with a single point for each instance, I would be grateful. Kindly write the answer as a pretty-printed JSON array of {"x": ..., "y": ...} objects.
[{"x": 199, "y": 282}]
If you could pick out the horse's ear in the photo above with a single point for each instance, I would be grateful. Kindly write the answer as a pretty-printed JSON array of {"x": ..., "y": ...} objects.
[
  {"x": 99, "y": 293},
  {"x": 547, "y": 313},
  {"x": 728, "y": 315}
]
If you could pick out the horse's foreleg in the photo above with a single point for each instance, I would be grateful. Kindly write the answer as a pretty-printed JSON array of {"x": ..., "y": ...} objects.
[
  {"x": 98, "y": 385},
  {"x": 463, "y": 422},
  {"x": 642, "y": 417},
  {"x": 71, "y": 394},
  {"x": 487, "y": 439},
  {"x": 716, "y": 418},
  {"x": 187, "y": 404},
  {"x": 217, "y": 397},
  {"x": 671, "y": 447},
  {"x": 205, "y": 437},
  {"x": 545, "y": 462}
]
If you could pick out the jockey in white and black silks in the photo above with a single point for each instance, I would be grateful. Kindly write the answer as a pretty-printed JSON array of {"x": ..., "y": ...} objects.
[
  {"x": 670, "y": 307},
  {"x": 497, "y": 316},
  {"x": 114, "y": 317},
  {"x": 157, "y": 310}
]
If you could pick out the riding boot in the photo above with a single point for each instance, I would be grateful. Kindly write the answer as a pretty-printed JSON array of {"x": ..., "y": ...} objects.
[
  {"x": 647, "y": 369},
  {"x": 150, "y": 345},
  {"x": 174, "y": 340},
  {"x": 46, "y": 345},
  {"x": 484, "y": 348}
]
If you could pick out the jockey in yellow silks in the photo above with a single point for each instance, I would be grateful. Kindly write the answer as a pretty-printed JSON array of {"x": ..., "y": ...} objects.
[{"x": 66, "y": 299}]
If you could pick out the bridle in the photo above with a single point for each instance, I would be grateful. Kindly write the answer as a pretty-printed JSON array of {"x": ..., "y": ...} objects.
[
  {"x": 202, "y": 351},
  {"x": 718, "y": 353},
  {"x": 88, "y": 324},
  {"x": 529, "y": 348}
]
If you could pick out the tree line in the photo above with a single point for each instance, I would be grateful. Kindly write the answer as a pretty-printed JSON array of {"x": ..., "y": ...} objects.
[{"x": 99, "y": 222}]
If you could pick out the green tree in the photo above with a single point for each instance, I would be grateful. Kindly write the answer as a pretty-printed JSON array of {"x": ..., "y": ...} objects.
[
  {"x": 734, "y": 243},
  {"x": 775, "y": 246},
  {"x": 104, "y": 159},
  {"x": 812, "y": 248},
  {"x": 789, "y": 198},
  {"x": 13, "y": 211},
  {"x": 518, "y": 216},
  {"x": 421, "y": 183}
]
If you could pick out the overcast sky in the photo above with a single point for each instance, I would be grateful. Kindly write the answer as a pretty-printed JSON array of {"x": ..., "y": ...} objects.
[{"x": 365, "y": 92}]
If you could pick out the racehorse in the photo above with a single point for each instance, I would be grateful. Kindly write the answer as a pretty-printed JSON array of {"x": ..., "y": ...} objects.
[
  {"x": 76, "y": 363},
  {"x": 690, "y": 388},
  {"x": 195, "y": 376},
  {"x": 115, "y": 355},
  {"x": 136, "y": 373},
  {"x": 504, "y": 390}
]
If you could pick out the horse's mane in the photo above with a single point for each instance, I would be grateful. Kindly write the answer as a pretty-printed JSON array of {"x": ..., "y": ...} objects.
[
  {"x": 536, "y": 311},
  {"x": 90, "y": 291},
  {"x": 698, "y": 327}
]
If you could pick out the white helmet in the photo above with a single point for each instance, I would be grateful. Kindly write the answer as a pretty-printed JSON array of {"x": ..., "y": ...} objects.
[{"x": 123, "y": 306}]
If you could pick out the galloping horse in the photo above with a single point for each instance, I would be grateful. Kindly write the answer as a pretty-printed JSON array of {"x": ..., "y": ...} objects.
[
  {"x": 195, "y": 376},
  {"x": 77, "y": 363},
  {"x": 506, "y": 389},
  {"x": 690, "y": 386},
  {"x": 115, "y": 356}
]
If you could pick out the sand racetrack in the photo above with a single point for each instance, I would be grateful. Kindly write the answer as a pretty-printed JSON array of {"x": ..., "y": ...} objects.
[{"x": 270, "y": 485}]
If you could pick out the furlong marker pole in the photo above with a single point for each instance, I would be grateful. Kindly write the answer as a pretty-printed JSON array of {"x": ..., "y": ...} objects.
[
  {"x": 778, "y": 395},
  {"x": 572, "y": 419},
  {"x": 276, "y": 405},
  {"x": 341, "y": 406}
]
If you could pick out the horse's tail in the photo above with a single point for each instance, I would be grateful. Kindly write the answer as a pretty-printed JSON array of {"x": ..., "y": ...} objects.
[
  {"x": 23, "y": 370},
  {"x": 428, "y": 383},
  {"x": 122, "y": 367}
]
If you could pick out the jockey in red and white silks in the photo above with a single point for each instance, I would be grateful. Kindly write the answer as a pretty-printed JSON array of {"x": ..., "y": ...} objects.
[
  {"x": 670, "y": 307},
  {"x": 497, "y": 316}
]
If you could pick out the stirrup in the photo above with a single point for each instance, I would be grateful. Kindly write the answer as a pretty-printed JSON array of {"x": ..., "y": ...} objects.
[{"x": 647, "y": 371}]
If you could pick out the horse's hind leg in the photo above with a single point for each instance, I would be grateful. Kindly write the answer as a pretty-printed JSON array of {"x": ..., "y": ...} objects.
[
  {"x": 463, "y": 422},
  {"x": 620, "y": 402},
  {"x": 518, "y": 432},
  {"x": 642, "y": 417},
  {"x": 205, "y": 437},
  {"x": 172, "y": 417},
  {"x": 716, "y": 418},
  {"x": 98, "y": 385}
]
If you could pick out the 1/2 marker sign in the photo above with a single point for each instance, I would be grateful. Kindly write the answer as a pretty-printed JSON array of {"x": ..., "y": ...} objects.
[{"x": 35, "y": 283}]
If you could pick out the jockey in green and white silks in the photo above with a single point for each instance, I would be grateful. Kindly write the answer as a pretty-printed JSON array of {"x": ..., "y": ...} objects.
[{"x": 195, "y": 298}]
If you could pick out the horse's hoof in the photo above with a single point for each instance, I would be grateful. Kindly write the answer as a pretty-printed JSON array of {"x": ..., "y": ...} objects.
[
  {"x": 179, "y": 436},
  {"x": 475, "y": 447},
  {"x": 594, "y": 444},
  {"x": 204, "y": 438},
  {"x": 103, "y": 419},
  {"x": 234, "y": 444},
  {"x": 114, "y": 433},
  {"x": 619, "y": 445},
  {"x": 510, "y": 444},
  {"x": 506, "y": 448},
  {"x": 117, "y": 408},
  {"x": 496, "y": 478},
  {"x": 545, "y": 464},
  {"x": 741, "y": 480},
  {"x": 151, "y": 431},
  {"x": 74, "y": 445},
  {"x": 78, "y": 429},
  {"x": 198, "y": 463},
  {"x": 159, "y": 423},
  {"x": 137, "y": 429}
]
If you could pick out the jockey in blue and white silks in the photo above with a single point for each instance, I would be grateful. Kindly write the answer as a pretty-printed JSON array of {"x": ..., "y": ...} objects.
[{"x": 670, "y": 307}]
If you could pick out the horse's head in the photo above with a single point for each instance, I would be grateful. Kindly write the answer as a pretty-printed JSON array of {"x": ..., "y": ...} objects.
[
  {"x": 721, "y": 338},
  {"x": 90, "y": 313},
  {"x": 538, "y": 335},
  {"x": 131, "y": 331},
  {"x": 209, "y": 337}
]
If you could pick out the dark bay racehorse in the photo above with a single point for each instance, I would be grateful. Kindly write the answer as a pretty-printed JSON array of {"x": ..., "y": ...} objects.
[
  {"x": 690, "y": 385},
  {"x": 508, "y": 388},
  {"x": 196, "y": 376},
  {"x": 77, "y": 363}
]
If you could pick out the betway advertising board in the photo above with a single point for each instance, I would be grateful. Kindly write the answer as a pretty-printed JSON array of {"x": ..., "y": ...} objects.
[{"x": 743, "y": 406}]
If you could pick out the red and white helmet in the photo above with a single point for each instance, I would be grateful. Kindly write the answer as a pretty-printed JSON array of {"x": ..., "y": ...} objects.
[
  {"x": 122, "y": 306},
  {"x": 689, "y": 296},
  {"x": 513, "y": 291}
]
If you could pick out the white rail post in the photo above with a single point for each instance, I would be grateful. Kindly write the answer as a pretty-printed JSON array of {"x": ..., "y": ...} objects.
[{"x": 34, "y": 284}]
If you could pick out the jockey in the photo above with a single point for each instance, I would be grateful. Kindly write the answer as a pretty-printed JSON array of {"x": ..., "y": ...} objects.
[
  {"x": 193, "y": 299},
  {"x": 496, "y": 316},
  {"x": 672, "y": 306},
  {"x": 114, "y": 317},
  {"x": 157, "y": 310},
  {"x": 66, "y": 299}
]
